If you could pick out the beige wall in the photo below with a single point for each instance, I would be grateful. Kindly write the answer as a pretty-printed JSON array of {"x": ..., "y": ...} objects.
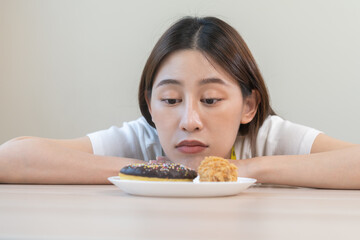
[{"x": 72, "y": 67}]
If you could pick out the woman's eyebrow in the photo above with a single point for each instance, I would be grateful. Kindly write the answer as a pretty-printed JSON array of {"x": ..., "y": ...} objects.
[
  {"x": 202, "y": 82},
  {"x": 212, "y": 80},
  {"x": 168, "y": 81}
]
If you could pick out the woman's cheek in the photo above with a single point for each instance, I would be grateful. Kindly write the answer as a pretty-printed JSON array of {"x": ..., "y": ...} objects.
[{"x": 163, "y": 119}]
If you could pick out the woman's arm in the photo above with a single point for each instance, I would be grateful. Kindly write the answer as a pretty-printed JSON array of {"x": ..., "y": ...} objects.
[
  {"x": 331, "y": 164},
  {"x": 48, "y": 161}
]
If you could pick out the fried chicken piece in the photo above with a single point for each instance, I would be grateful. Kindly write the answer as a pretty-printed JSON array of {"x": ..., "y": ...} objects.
[{"x": 216, "y": 169}]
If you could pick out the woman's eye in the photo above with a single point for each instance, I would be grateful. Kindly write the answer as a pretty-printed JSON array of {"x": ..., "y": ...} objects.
[
  {"x": 171, "y": 101},
  {"x": 210, "y": 101}
]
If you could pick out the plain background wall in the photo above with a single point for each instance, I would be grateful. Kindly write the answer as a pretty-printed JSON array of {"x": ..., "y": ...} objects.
[{"x": 68, "y": 68}]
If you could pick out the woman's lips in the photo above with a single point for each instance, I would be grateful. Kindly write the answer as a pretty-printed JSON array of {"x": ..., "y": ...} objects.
[{"x": 191, "y": 146}]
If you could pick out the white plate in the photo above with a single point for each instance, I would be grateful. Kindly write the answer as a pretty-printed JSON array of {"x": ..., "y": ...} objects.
[{"x": 182, "y": 189}]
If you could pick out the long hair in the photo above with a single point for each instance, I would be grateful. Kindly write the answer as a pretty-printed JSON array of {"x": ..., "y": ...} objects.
[{"x": 224, "y": 45}]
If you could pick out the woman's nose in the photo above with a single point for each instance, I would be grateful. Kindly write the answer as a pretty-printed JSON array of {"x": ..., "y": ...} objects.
[{"x": 190, "y": 119}]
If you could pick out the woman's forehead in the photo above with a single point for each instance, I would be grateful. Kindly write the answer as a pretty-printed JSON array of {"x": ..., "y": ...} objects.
[{"x": 194, "y": 65}]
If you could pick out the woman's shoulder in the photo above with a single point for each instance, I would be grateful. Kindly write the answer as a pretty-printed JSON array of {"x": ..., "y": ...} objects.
[
  {"x": 133, "y": 139},
  {"x": 280, "y": 136},
  {"x": 273, "y": 120},
  {"x": 277, "y": 123},
  {"x": 138, "y": 128},
  {"x": 139, "y": 124}
]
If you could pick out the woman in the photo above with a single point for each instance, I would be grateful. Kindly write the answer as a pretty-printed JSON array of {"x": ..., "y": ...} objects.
[{"x": 200, "y": 94}]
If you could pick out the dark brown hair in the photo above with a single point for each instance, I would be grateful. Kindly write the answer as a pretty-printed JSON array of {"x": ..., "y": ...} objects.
[{"x": 223, "y": 45}]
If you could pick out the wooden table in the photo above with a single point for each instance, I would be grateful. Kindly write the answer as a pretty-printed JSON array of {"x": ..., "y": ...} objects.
[{"x": 105, "y": 212}]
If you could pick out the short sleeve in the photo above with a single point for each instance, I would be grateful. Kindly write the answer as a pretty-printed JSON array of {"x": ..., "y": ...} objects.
[
  {"x": 277, "y": 137},
  {"x": 281, "y": 137},
  {"x": 136, "y": 139}
]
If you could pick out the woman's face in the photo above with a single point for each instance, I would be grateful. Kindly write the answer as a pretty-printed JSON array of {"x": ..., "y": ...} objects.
[{"x": 197, "y": 108}]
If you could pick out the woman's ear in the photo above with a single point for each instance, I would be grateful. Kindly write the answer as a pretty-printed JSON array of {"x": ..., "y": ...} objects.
[{"x": 250, "y": 107}]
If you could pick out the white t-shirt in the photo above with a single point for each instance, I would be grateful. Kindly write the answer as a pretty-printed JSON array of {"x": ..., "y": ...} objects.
[{"x": 137, "y": 139}]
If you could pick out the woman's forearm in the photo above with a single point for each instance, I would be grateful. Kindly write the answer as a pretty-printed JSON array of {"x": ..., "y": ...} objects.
[
  {"x": 338, "y": 169},
  {"x": 43, "y": 162}
]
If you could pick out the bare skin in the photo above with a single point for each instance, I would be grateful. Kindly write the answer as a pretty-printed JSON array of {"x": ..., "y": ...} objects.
[
  {"x": 331, "y": 164},
  {"x": 48, "y": 161}
]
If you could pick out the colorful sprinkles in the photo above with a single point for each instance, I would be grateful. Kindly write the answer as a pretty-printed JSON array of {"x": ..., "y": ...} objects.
[{"x": 160, "y": 170}]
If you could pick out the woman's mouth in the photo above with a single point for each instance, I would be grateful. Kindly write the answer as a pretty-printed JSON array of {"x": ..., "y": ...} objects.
[{"x": 191, "y": 146}]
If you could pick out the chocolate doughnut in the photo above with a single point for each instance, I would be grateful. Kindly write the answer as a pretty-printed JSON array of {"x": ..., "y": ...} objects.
[{"x": 157, "y": 172}]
